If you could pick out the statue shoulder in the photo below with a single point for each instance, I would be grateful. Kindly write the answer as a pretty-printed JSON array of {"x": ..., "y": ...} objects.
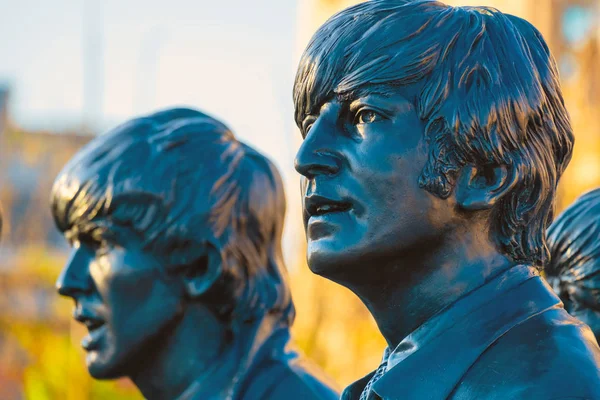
[
  {"x": 551, "y": 355},
  {"x": 293, "y": 379}
]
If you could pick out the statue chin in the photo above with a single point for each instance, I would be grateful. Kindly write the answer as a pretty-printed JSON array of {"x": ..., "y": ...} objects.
[{"x": 102, "y": 368}]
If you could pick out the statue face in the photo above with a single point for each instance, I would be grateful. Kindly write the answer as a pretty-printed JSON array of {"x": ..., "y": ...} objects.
[
  {"x": 360, "y": 162},
  {"x": 122, "y": 297}
]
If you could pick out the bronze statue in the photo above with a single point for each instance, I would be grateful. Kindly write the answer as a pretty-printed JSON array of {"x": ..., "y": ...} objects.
[
  {"x": 434, "y": 139},
  {"x": 176, "y": 267},
  {"x": 574, "y": 267}
]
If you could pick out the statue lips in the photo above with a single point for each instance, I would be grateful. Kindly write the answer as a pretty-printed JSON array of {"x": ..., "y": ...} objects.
[
  {"x": 320, "y": 214},
  {"x": 92, "y": 340},
  {"x": 95, "y": 325}
]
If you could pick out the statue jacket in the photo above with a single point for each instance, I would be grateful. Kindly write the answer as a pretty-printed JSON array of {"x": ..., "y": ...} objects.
[
  {"x": 275, "y": 371},
  {"x": 509, "y": 339},
  {"x": 286, "y": 375}
]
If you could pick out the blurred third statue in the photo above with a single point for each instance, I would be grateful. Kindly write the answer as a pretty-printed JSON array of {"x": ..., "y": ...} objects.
[{"x": 574, "y": 269}]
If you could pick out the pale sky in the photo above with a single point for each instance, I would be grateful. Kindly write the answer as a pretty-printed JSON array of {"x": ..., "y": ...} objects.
[{"x": 233, "y": 59}]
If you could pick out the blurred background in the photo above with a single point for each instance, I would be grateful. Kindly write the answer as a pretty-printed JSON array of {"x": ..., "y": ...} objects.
[{"x": 71, "y": 69}]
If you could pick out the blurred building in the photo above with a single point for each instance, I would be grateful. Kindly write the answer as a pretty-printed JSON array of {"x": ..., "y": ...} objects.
[
  {"x": 348, "y": 343},
  {"x": 30, "y": 160},
  {"x": 29, "y": 163},
  {"x": 4, "y": 91}
]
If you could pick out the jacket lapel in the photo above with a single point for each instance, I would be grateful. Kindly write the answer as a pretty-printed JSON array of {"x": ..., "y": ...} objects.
[{"x": 433, "y": 371}]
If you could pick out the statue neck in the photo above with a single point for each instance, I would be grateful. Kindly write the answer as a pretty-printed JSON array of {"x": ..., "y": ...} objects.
[
  {"x": 409, "y": 289},
  {"x": 202, "y": 357}
]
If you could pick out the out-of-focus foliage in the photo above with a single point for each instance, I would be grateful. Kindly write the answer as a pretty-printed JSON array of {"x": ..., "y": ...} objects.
[{"x": 40, "y": 355}]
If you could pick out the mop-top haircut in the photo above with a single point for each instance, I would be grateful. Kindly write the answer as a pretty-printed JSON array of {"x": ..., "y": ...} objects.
[
  {"x": 487, "y": 90},
  {"x": 183, "y": 182}
]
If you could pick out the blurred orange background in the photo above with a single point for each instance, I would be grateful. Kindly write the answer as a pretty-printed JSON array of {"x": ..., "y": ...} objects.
[{"x": 40, "y": 356}]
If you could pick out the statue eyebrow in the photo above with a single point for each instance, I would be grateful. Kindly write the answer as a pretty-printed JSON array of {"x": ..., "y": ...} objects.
[
  {"x": 76, "y": 234},
  {"x": 87, "y": 229},
  {"x": 364, "y": 91},
  {"x": 346, "y": 98}
]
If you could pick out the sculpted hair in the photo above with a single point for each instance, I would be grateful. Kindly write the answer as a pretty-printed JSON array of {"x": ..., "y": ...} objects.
[
  {"x": 487, "y": 90},
  {"x": 183, "y": 182},
  {"x": 574, "y": 240}
]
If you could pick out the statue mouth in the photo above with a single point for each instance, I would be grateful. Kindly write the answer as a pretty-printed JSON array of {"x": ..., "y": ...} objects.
[
  {"x": 316, "y": 205},
  {"x": 95, "y": 325},
  {"x": 87, "y": 317},
  {"x": 92, "y": 340}
]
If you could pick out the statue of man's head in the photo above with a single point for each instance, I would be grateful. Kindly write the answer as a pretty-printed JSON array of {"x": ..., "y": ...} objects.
[
  {"x": 423, "y": 124},
  {"x": 163, "y": 212},
  {"x": 574, "y": 267}
]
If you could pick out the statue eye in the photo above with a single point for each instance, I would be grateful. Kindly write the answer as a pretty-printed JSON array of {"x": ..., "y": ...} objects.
[
  {"x": 98, "y": 241},
  {"x": 103, "y": 248},
  {"x": 307, "y": 124},
  {"x": 366, "y": 116}
]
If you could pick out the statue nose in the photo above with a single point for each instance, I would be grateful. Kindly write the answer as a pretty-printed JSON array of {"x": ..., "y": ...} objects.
[
  {"x": 75, "y": 279},
  {"x": 318, "y": 154}
]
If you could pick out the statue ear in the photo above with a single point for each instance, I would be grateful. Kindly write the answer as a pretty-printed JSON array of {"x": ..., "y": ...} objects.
[
  {"x": 480, "y": 188},
  {"x": 200, "y": 275}
]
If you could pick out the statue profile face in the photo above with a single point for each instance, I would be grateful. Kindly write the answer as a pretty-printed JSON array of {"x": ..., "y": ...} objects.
[
  {"x": 158, "y": 230},
  {"x": 122, "y": 296},
  {"x": 414, "y": 129},
  {"x": 361, "y": 160}
]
